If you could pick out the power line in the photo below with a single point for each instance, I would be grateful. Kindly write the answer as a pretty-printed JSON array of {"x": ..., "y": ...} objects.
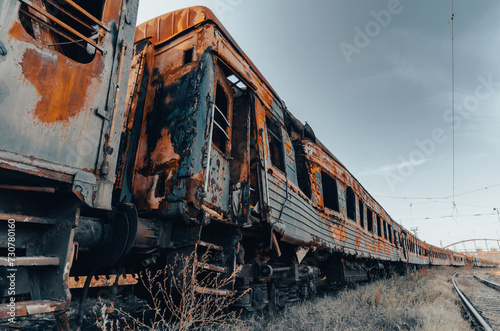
[
  {"x": 450, "y": 216},
  {"x": 440, "y": 198},
  {"x": 453, "y": 92}
]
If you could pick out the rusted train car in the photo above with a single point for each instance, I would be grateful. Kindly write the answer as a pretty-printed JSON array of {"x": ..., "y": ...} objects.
[{"x": 199, "y": 152}]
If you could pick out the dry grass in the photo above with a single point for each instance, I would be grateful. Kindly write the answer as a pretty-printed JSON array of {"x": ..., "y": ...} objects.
[
  {"x": 422, "y": 300},
  {"x": 174, "y": 303}
]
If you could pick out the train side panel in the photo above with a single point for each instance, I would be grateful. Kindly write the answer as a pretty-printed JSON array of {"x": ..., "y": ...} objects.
[
  {"x": 61, "y": 114},
  {"x": 60, "y": 102}
]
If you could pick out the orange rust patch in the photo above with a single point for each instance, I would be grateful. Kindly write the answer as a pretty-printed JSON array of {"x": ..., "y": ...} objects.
[
  {"x": 103, "y": 281},
  {"x": 358, "y": 239},
  {"x": 62, "y": 84},
  {"x": 288, "y": 146},
  {"x": 17, "y": 31},
  {"x": 111, "y": 11}
]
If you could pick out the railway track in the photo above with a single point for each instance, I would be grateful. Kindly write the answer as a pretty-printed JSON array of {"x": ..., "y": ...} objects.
[{"x": 481, "y": 297}]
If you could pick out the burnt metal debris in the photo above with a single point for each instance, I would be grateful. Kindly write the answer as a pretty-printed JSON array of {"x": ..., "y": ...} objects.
[{"x": 119, "y": 151}]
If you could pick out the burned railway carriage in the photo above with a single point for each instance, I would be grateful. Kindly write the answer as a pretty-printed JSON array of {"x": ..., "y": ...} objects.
[{"x": 199, "y": 153}]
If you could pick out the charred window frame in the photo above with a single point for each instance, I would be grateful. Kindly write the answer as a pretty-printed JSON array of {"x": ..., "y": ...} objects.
[
  {"x": 386, "y": 236},
  {"x": 330, "y": 192},
  {"x": 379, "y": 226},
  {"x": 187, "y": 56},
  {"x": 350, "y": 200},
  {"x": 361, "y": 214},
  {"x": 303, "y": 178},
  {"x": 275, "y": 141},
  {"x": 391, "y": 238},
  {"x": 369, "y": 219},
  {"x": 72, "y": 28},
  {"x": 221, "y": 125}
]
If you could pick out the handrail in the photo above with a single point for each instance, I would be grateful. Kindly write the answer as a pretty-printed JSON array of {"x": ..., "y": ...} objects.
[
  {"x": 223, "y": 131},
  {"x": 84, "y": 12},
  {"x": 223, "y": 116},
  {"x": 53, "y": 3},
  {"x": 209, "y": 149},
  {"x": 50, "y": 27}
]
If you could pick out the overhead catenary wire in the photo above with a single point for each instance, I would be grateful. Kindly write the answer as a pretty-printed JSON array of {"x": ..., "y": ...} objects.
[
  {"x": 453, "y": 97},
  {"x": 440, "y": 198},
  {"x": 450, "y": 216}
]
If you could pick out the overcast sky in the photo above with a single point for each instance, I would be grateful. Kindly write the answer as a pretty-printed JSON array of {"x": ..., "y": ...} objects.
[{"x": 374, "y": 80}]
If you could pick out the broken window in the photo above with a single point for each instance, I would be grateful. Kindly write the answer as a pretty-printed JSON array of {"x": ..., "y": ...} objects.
[
  {"x": 188, "y": 56},
  {"x": 303, "y": 178},
  {"x": 330, "y": 192},
  {"x": 220, "y": 134},
  {"x": 72, "y": 28},
  {"x": 391, "y": 239},
  {"x": 275, "y": 141},
  {"x": 369, "y": 219},
  {"x": 379, "y": 226},
  {"x": 361, "y": 214},
  {"x": 350, "y": 200},
  {"x": 385, "y": 230}
]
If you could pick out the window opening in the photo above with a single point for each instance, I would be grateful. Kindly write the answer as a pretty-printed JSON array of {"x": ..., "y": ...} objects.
[
  {"x": 361, "y": 214},
  {"x": 385, "y": 230},
  {"x": 236, "y": 82},
  {"x": 391, "y": 238},
  {"x": 330, "y": 192},
  {"x": 379, "y": 226},
  {"x": 303, "y": 178},
  {"x": 220, "y": 135},
  {"x": 275, "y": 144},
  {"x": 69, "y": 27},
  {"x": 369, "y": 219},
  {"x": 188, "y": 56},
  {"x": 350, "y": 203}
]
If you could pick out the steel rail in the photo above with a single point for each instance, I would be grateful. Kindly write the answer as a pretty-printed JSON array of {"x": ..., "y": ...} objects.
[
  {"x": 487, "y": 282},
  {"x": 470, "y": 307}
]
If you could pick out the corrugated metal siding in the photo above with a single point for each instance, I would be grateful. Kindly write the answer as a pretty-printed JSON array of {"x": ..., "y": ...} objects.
[{"x": 303, "y": 223}]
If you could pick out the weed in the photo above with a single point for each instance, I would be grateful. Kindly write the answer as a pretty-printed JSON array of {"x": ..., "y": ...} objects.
[{"x": 174, "y": 302}]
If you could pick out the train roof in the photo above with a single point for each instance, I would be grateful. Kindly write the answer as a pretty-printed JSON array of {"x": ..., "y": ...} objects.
[
  {"x": 163, "y": 28},
  {"x": 166, "y": 27}
]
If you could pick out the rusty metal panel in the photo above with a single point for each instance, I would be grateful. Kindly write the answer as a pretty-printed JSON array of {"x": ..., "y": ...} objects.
[
  {"x": 60, "y": 114},
  {"x": 327, "y": 229},
  {"x": 170, "y": 158}
]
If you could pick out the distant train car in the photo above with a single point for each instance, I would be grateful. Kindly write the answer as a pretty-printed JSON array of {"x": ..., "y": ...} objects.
[
  {"x": 458, "y": 259},
  {"x": 439, "y": 256}
]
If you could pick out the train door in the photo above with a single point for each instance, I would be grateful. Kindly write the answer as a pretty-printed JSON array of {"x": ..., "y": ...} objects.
[{"x": 228, "y": 171}]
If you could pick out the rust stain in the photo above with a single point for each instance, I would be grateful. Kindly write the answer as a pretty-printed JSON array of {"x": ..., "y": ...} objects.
[
  {"x": 288, "y": 146},
  {"x": 17, "y": 32},
  {"x": 358, "y": 238},
  {"x": 164, "y": 150},
  {"x": 111, "y": 11},
  {"x": 63, "y": 85},
  {"x": 103, "y": 281}
]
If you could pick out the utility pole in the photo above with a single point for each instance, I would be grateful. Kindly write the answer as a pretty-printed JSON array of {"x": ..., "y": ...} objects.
[{"x": 415, "y": 229}]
